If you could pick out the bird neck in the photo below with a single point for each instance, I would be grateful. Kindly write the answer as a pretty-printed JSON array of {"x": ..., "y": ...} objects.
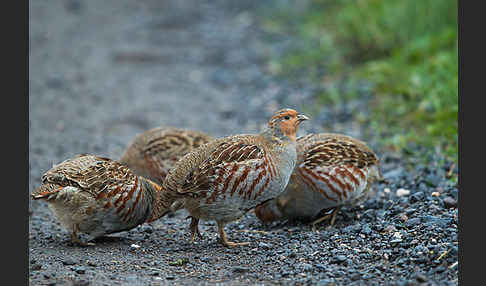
[
  {"x": 276, "y": 136},
  {"x": 160, "y": 203}
]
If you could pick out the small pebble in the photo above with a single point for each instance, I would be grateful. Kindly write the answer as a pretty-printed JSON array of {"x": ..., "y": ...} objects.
[
  {"x": 403, "y": 192},
  {"x": 453, "y": 265},
  {"x": 403, "y": 217},
  {"x": 390, "y": 228},
  {"x": 421, "y": 277},
  {"x": 68, "y": 261},
  {"x": 92, "y": 264},
  {"x": 412, "y": 222},
  {"x": 240, "y": 269},
  {"x": 450, "y": 202},
  {"x": 79, "y": 270},
  {"x": 286, "y": 273},
  {"x": 410, "y": 211},
  {"x": 435, "y": 194},
  {"x": 340, "y": 258},
  {"x": 306, "y": 267},
  {"x": 80, "y": 283},
  {"x": 204, "y": 259},
  {"x": 264, "y": 245},
  {"x": 355, "y": 277},
  {"x": 417, "y": 197},
  {"x": 366, "y": 229},
  {"x": 148, "y": 229},
  {"x": 397, "y": 235}
]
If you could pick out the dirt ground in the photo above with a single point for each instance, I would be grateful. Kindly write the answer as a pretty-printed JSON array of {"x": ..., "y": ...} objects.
[{"x": 101, "y": 72}]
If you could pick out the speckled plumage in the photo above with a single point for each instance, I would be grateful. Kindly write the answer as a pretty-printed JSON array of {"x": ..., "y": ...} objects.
[
  {"x": 225, "y": 178},
  {"x": 332, "y": 170},
  {"x": 96, "y": 196},
  {"x": 154, "y": 152}
]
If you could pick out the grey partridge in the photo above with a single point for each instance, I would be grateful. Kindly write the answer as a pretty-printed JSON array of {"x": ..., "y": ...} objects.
[
  {"x": 332, "y": 170},
  {"x": 96, "y": 196},
  {"x": 154, "y": 152},
  {"x": 229, "y": 176}
]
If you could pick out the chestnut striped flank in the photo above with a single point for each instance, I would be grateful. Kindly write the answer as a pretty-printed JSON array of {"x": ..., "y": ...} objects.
[
  {"x": 139, "y": 194},
  {"x": 349, "y": 175},
  {"x": 323, "y": 179},
  {"x": 120, "y": 196},
  {"x": 343, "y": 174},
  {"x": 270, "y": 166},
  {"x": 255, "y": 183},
  {"x": 239, "y": 180},
  {"x": 224, "y": 170},
  {"x": 113, "y": 193},
  {"x": 135, "y": 203},
  {"x": 127, "y": 196},
  {"x": 337, "y": 181},
  {"x": 219, "y": 179},
  {"x": 228, "y": 179},
  {"x": 331, "y": 187},
  {"x": 267, "y": 181},
  {"x": 314, "y": 186}
]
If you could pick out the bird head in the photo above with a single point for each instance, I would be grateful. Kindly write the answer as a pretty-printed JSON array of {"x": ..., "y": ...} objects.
[{"x": 285, "y": 122}]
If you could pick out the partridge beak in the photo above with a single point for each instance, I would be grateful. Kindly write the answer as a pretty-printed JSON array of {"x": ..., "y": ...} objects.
[{"x": 302, "y": 117}]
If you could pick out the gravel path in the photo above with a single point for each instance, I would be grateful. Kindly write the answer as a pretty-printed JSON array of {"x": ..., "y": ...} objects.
[{"x": 102, "y": 71}]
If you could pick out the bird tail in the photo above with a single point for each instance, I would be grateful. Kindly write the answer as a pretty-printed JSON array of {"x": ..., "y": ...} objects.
[{"x": 46, "y": 191}]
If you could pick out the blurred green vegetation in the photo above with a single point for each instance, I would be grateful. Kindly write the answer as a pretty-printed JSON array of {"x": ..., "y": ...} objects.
[{"x": 403, "y": 53}]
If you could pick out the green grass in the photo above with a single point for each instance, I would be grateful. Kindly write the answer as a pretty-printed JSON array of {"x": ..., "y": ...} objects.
[{"x": 405, "y": 50}]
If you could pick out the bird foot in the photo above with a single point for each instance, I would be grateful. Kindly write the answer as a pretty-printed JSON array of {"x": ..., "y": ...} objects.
[
  {"x": 233, "y": 244},
  {"x": 319, "y": 220},
  {"x": 75, "y": 238},
  {"x": 224, "y": 239},
  {"x": 194, "y": 229},
  {"x": 331, "y": 216}
]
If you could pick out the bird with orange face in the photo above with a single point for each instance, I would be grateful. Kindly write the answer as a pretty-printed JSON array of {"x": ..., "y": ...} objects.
[{"x": 223, "y": 179}]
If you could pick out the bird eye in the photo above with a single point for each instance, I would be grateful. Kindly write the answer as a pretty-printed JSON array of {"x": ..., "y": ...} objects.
[{"x": 287, "y": 117}]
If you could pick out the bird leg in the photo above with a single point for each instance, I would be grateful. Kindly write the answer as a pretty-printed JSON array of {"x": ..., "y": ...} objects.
[
  {"x": 194, "y": 228},
  {"x": 224, "y": 239},
  {"x": 75, "y": 238},
  {"x": 332, "y": 216}
]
